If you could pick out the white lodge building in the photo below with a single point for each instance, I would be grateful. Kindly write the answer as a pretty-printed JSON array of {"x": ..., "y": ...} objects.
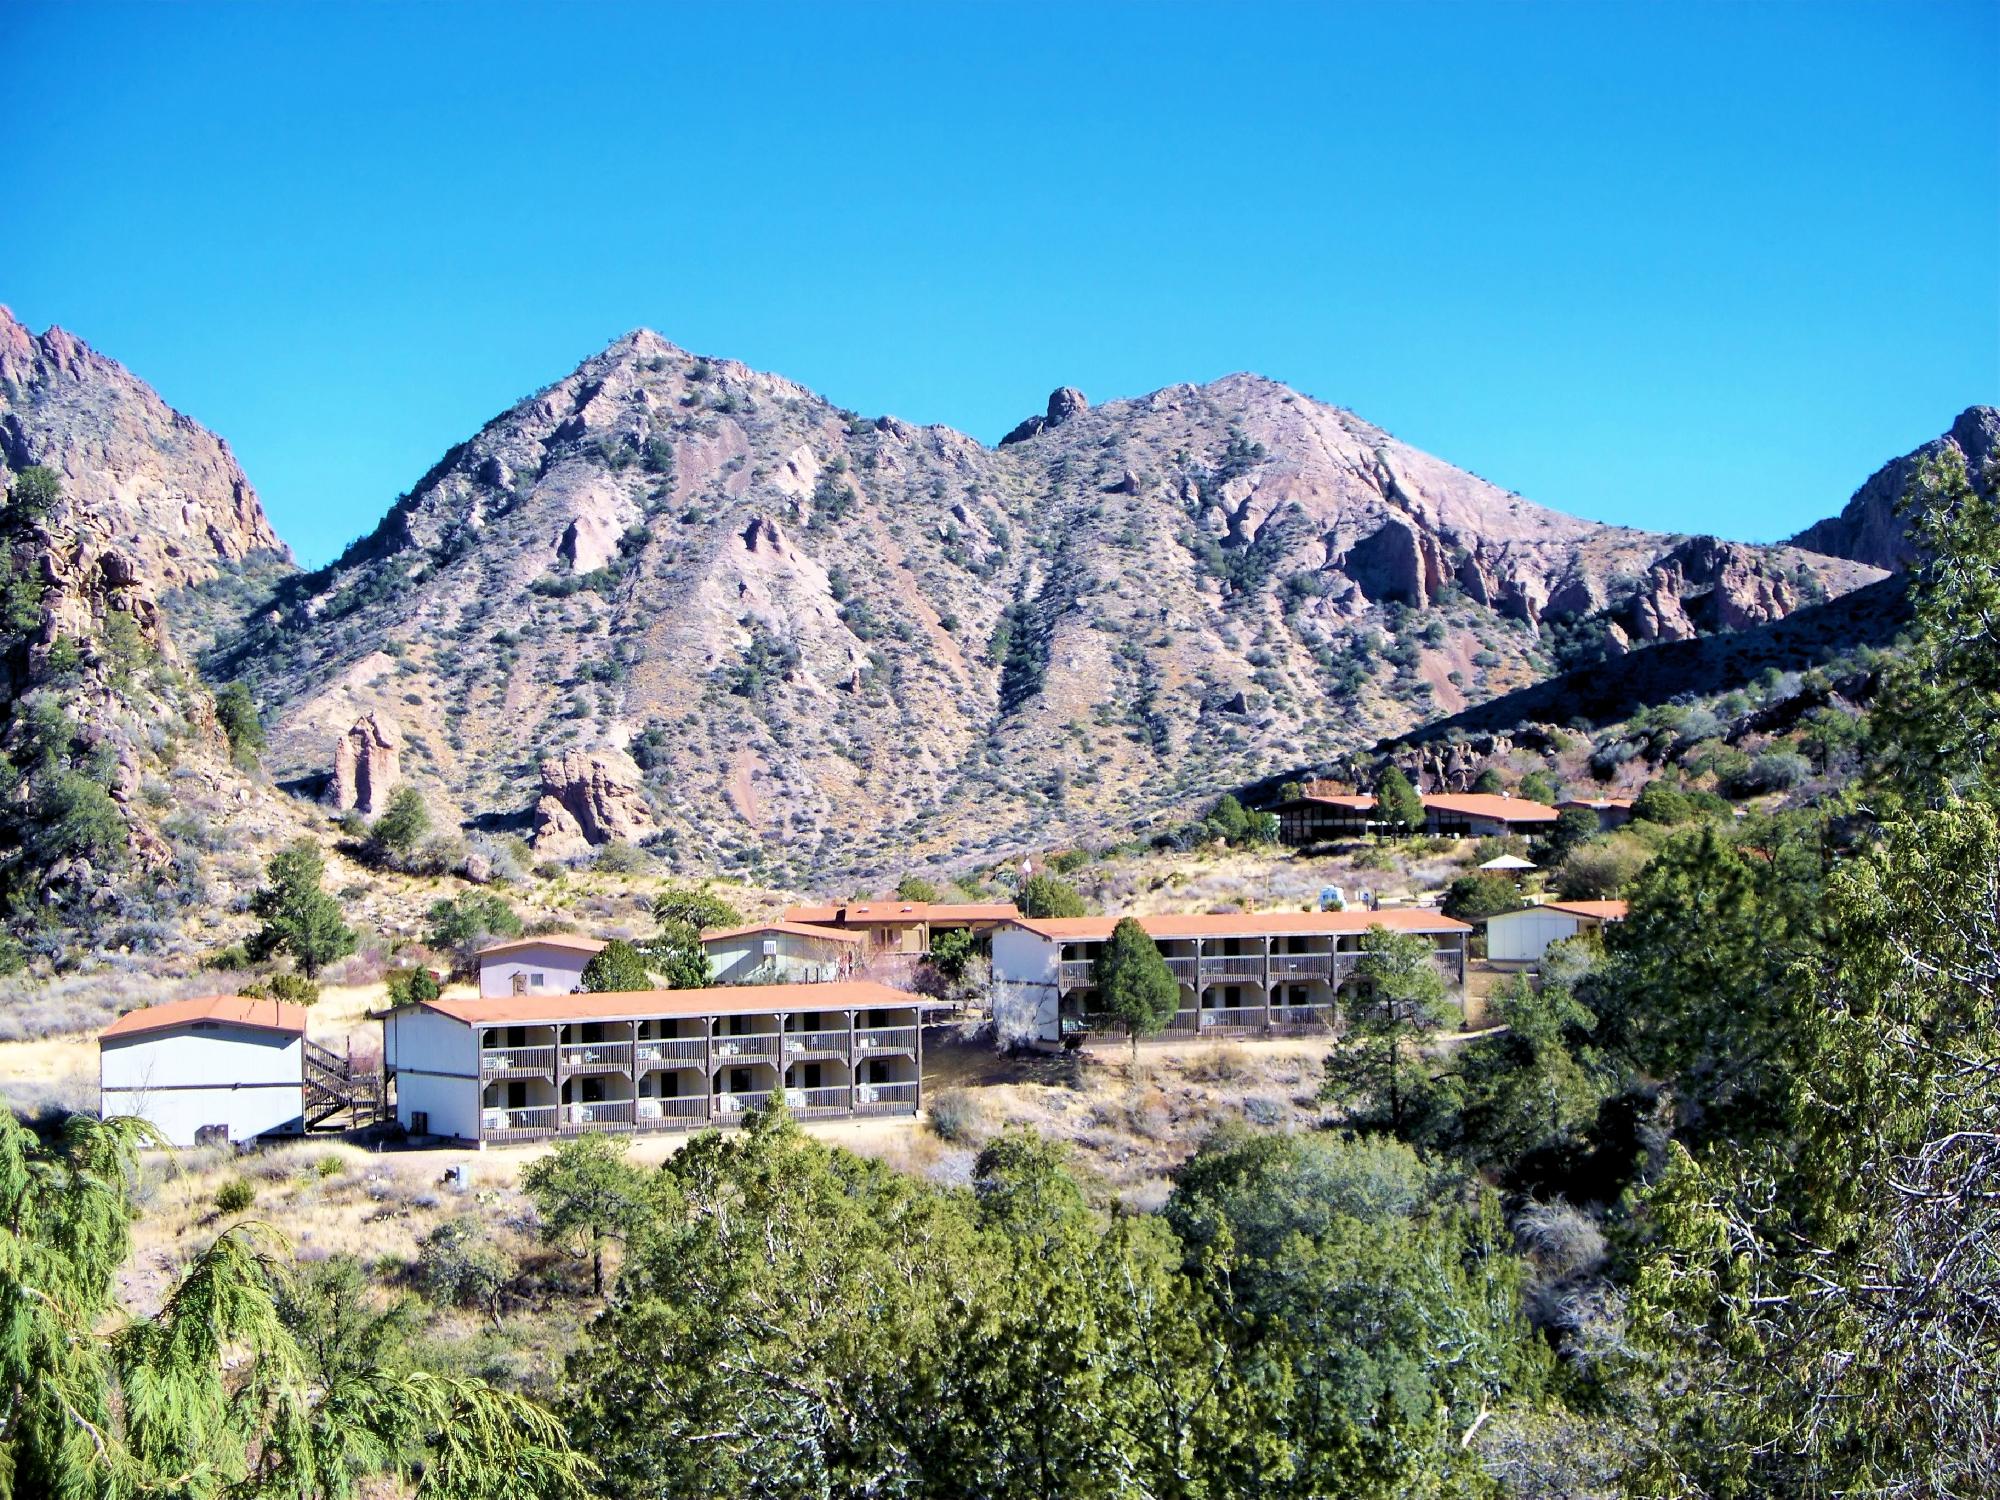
[
  {"x": 552, "y": 964},
  {"x": 519, "y": 1067},
  {"x": 1242, "y": 974},
  {"x": 223, "y": 1063}
]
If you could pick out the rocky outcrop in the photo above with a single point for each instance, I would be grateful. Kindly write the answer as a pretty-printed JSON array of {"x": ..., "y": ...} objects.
[
  {"x": 1705, "y": 586},
  {"x": 1400, "y": 562},
  {"x": 589, "y": 798},
  {"x": 139, "y": 479},
  {"x": 367, "y": 765},
  {"x": 1871, "y": 527},
  {"x": 1064, "y": 405}
]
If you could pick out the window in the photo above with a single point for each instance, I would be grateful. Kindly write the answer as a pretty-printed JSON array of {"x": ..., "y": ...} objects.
[{"x": 538, "y": 981}]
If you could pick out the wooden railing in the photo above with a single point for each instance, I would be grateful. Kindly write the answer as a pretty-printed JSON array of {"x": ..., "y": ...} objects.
[
  {"x": 885, "y": 1098},
  {"x": 1231, "y": 1017},
  {"x": 816, "y": 1043},
  {"x": 517, "y": 1062},
  {"x": 814, "y": 1103},
  {"x": 675, "y": 1112},
  {"x": 1077, "y": 973},
  {"x": 886, "y": 1039},
  {"x": 736, "y": 1048},
  {"x": 604, "y": 1112},
  {"x": 597, "y": 1057},
  {"x": 735, "y": 1106},
  {"x": 499, "y": 1124},
  {"x": 671, "y": 1049}
]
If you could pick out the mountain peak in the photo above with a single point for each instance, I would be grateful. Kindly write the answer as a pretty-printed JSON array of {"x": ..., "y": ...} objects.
[
  {"x": 1870, "y": 527},
  {"x": 140, "y": 479}
]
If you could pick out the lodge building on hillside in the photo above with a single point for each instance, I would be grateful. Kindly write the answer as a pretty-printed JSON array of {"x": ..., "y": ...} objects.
[
  {"x": 1241, "y": 974},
  {"x": 1319, "y": 815},
  {"x": 905, "y": 927},
  {"x": 529, "y": 1067}
]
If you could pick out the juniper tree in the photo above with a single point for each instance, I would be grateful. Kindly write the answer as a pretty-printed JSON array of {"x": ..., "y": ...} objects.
[{"x": 1134, "y": 983}]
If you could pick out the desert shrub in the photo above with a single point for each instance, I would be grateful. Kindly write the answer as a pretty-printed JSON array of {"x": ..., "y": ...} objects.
[
  {"x": 295, "y": 989},
  {"x": 956, "y": 1116},
  {"x": 235, "y": 1195},
  {"x": 916, "y": 888},
  {"x": 1773, "y": 771},
  {"x": 1045, "y": 896},
  {"x": 1600, "y": 871},
  {"x": 621, "y": 858},
  {"x": 1483, "y": 893},
  {"x": 1659, "y": 803},
  {"x": 458, "y": 1265}
]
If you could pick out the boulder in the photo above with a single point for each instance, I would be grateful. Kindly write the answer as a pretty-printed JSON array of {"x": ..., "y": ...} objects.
[
  {"x": 1064, "y": 405},
  {"x": 367, "y": 764},
  {"x": 590, "y": 797}
]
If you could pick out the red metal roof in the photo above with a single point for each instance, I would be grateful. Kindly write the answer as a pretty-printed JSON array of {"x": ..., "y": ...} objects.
[
  {"x": 1248, "y": 924},
  {"x": 641, "y": 1005},
  {"x": 1490, "y": 805},
  {"x": 231, "y": 1010}
]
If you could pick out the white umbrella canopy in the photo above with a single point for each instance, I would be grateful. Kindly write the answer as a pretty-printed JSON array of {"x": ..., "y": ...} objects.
[{"x": 1508, "y": 862}]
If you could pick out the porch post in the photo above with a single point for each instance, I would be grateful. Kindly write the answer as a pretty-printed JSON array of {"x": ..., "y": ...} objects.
[
  {"x": 853, "y": 1062},
  {"x": 708, "y": 1066},
  {"x": 1268, "y": 940}
]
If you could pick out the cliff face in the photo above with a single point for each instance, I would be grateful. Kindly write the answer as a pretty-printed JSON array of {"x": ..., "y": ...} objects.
[
  {"x": 1869, "y": 528},
  {"x": 141, "y": 482},
  {"x": 97, "y": 696},
  {"x": 829, "y": 644}
]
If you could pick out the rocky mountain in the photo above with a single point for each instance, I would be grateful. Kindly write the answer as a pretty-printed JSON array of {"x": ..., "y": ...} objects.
[
  {"x": 1868, "y": 528},
  {"x": 676, "y": 599},
  {"x": 154, "y": 494},
  {"x": 127, "y": 525}
]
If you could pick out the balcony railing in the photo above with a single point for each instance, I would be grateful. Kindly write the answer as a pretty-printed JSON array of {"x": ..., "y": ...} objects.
[
  {"x": 1183, "y": 969},
  {"x": 501, "y": 1124},
  {"x": 597, "y": 1057},
  {"x": 1077, "y": 973},
  {"x": 669, "y": 1050},
  {"x": 885, "y": 1098},
  {"x": 517, "y": 1062},
  {"x": 810, "y": 1104},
  {"x": 1232, "y": 1017},
  {"x": 1232, "y": 966},
  {"x": 816, "y": 1044},
  {"x": 886, "y": 1039},
  {"x": 735, "y": 1106},
  {"x": 675, "y": 1112},
  {"x": 1293, "y": 1020},
  {"x": 760, "y": 1045},
  {"x": 603, "y": 1113}
]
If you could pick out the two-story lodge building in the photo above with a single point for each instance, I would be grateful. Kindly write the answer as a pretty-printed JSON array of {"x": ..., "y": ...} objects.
[
  {"x": 527, "y": 1067},
  {"x": 1241, "y": 974}
]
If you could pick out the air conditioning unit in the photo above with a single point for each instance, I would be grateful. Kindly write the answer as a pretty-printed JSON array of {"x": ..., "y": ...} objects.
[
  {"x": 864, "y": 1095},
  {"x": 770, "y": 947},
  {"x": 649, "y": 1109},
  {"x": 496, "y": 1119},
  {"x": 728, "y": 1104}
]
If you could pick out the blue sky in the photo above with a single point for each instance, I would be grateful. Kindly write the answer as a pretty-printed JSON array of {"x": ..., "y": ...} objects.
[{"x": 1687, "y": 267}]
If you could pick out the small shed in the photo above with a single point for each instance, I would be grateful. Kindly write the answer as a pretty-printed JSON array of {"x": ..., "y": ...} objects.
[
  {"x": 1524, "y": 936},
  {"x": 549, "y": 964},
  {"x": 219, "y": 1067}
]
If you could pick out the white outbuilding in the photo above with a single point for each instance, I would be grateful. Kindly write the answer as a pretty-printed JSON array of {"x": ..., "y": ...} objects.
[
  {"x": 549, "y": 964},
  {"x": 1523, "y": 936},
  {"x": 224, "y": 1067}
]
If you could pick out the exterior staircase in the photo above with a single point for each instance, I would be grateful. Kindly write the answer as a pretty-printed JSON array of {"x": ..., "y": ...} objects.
[{"x": 338, "y": 1097}]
